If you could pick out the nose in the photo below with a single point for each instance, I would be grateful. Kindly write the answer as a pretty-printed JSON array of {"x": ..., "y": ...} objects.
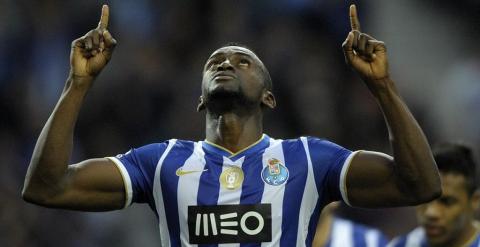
[
  {"x": 225, "y": 65},
  {"x": 432, "y": 210}
]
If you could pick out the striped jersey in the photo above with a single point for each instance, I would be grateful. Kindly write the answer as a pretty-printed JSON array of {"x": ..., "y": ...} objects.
[
  {"x": 346, "y": 233},
  {"x": 417, "y": 238},
  {"x": 269, "y": 194}
]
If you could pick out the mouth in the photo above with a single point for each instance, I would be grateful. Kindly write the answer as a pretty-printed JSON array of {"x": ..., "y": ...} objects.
[
  {"x": 434, "y": 231},
  {"x": 224, "y": 76}
]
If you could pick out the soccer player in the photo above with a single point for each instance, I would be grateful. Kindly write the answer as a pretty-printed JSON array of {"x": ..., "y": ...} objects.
[
  {"x": 333, "y": 231},
  {"x": 449, "y": 220},
  {"x": 239, "y": 185}
]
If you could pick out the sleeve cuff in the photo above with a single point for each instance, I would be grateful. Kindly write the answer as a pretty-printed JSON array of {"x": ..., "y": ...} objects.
[
  {"x": 126, "y": 180},
  {"x": 343, "y": 177}
]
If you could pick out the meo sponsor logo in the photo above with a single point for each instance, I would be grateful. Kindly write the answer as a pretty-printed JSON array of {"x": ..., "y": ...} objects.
[{"x": 230, "y": 224}]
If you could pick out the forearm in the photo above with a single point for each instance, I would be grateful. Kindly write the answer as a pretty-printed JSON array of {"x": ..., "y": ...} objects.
[
  {"x": 415, "y": 169},
  {"x": 50, "y": 158}
]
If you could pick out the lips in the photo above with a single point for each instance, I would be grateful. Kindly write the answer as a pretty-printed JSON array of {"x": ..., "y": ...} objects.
[
  {"x": 434, "y": 230},
  {"x": 224, "y": 76}
]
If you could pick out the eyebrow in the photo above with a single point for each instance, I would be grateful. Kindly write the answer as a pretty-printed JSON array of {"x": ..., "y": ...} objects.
[{"x": 235, "y": 53}]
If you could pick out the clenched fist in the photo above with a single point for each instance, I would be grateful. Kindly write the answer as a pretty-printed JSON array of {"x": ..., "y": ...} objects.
[
  {"x": 91, "y": 52},
  {"x": 366, "y": 55}
]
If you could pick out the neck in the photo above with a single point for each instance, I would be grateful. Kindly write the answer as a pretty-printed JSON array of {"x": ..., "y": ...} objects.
[{"x": 234, "y": 131}]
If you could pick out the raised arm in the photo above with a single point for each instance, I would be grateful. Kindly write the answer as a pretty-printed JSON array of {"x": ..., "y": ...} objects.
[
  {"x": 93, "y": 185},
  {"x": 378, "y": 180}
]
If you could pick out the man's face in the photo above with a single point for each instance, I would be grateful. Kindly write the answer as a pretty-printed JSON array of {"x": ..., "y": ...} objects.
[
  {"x": 233, "y": 71},
  {"x": 447, "y": 219}
]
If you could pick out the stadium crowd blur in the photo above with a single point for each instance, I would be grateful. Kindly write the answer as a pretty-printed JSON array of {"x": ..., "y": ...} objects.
[{"x": 149, "y": 91}]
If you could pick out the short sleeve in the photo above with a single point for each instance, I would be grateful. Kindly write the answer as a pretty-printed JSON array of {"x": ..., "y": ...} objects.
[
  {"x": 137, "y": 167},
  {"x": 330, "y": 166}
]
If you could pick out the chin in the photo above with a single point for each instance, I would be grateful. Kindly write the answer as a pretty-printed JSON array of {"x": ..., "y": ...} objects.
[{"x": 223, "y": 92}]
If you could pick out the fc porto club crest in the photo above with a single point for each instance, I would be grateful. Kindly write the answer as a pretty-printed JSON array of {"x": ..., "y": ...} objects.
[
  {"x": 274, "y": 173},
  {"x": 231, "y": 178}
]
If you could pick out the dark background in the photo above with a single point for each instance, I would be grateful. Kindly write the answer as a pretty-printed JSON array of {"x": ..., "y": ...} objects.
[{"x": 149, "y": 91}]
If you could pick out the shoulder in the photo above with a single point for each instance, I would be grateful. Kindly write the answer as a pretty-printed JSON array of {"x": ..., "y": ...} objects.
[
  {"x": 308, "y": 140},
  {"x": 357, "y": 226},
  {"x": 413, "y": 238}
]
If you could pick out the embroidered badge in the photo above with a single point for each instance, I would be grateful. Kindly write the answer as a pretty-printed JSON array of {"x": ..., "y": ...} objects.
[
  {"x": 231, "y": 178},
  {"x": 275, "y": 173}
]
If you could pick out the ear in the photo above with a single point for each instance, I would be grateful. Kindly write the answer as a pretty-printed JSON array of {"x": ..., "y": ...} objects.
[
  {"x": 201, "y": 104},
  {"x": 475, "y": 200},
  {"x": 268, "y": 99}
]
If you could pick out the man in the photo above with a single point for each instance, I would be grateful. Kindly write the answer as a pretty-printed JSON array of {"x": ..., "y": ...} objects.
[
  {"x": 239, "y": 185},
  {"x": 333, "y": 231},
  {"x": 449, "y": 220}
]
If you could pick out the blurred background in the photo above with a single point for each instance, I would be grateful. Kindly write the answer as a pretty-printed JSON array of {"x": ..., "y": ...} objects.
[{"x": 149, "y": 91}]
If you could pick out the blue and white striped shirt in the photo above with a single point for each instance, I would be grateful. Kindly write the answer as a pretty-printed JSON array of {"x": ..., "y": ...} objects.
[
  {"x": 346, "y": 233},
  {"x": 417, "y": 238},
  {"x": 269, "y": 194}
]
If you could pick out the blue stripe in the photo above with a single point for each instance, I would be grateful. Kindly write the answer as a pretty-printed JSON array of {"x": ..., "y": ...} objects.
[
  {"x": 169, "y": 182},
  {"x": 358, "y": 235},
  {"x": 476, "y": 242},
  {"x": 401, "y": 242},
  {"x": 253, "y": 185},
  {"x": 209, "y": 187},
  {"x": 297, "y": 165},
  {"x": 312, "y": 225}
]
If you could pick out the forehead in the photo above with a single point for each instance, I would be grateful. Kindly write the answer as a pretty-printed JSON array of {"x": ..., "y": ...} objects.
[
  {"x": 453, "y": 184},
  {"x": 229, "y": 50}
]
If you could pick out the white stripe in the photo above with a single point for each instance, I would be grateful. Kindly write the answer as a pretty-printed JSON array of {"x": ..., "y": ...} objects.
[
  {"x": 274, "y": 194},
  {"x": 158, "y": 196},
  {"x": 226, "y": 196},
  {"x": 343, "y": 177},
  {"x": 187, "y": 189},
  {"x": 228, "y": 216},
  {"x": 371, "y": 238},
  {"x": 342, "y": 234},
  {"x": 214, "y": 224},
  {"x": 414, "y": 238},
  {"x": 309, "y": 199},
  {"x": 127, "y": 182},
  {"x": 229, "y": 232},
  {"x": 205, "y": 224},
  {"x": 197, "y": 224}
]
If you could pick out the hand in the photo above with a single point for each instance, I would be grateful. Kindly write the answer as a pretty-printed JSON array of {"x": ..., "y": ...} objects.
[
  {"x": 91, "y": 52},
  {"x": 364, "y": 54}
]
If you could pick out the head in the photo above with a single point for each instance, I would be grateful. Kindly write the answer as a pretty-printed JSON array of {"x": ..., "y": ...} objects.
[
  {"x": 448, "y": 220},
  {"x": 234, "y": 78}
]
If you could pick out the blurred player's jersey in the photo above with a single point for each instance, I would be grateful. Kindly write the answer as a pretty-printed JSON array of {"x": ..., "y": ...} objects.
[
  {"x": 346, "y": 233},
  {"x": 269, "y": 194},
  {"x": 417, "y": 238}
]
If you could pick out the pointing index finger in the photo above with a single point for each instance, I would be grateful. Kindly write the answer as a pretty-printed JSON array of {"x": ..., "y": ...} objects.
[
  {"x": 354, "y": 22},
  {"x": 103, "y": 24}
]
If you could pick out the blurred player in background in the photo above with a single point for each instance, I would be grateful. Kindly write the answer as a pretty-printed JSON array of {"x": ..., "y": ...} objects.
[
  {"x": 239, "y": 185},
  {"x": 333, "y": 231},
  {"x": 449, "y": 220}
]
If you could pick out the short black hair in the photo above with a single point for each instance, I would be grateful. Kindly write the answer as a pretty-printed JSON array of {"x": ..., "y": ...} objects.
[
  {"x": 457, "y": 158},
  {"x": 267, "y": 79}
]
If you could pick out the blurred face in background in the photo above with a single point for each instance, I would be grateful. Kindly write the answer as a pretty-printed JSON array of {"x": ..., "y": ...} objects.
[{"x": 448, "y": 220}]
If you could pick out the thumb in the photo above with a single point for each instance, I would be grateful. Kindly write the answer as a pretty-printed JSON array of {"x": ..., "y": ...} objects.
[{"x": 348, "y": 48}]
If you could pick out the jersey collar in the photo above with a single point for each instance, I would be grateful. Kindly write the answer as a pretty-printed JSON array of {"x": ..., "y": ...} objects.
[{"x": 260, "y": 144}]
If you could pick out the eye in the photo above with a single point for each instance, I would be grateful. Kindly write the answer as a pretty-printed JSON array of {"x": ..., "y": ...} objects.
[
  {"x": 447, "y": 201},
  {"x": 212, "y": 62},
  {"x": 244, "y": 61}
]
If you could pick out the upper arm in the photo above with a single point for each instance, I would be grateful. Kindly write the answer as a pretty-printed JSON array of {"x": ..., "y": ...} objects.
[
  {"x": 371, "y": 181},
  {"x": 109, "y": 183},
  {"x": 91, "y": 185}
]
